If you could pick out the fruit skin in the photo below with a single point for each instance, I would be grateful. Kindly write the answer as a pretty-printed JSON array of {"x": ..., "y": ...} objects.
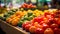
[
  {"x": 46, "y": 13},
  {"x": 58, "y": 21},
  {"x": 48, "y": 31},
  {"x": 39, "y": 31},
  {"x": 32, "y": 29},
  {"x": 41, "y": 22},
  {"x": 8, "y": 20},
  {"x": 10, "y": 12},
  {"x": 25, "y": 5},
  {"x": 30, "y": 13},
  {"x": 49, "y": 16},
  {"x": 38, "y": 25},
  {"x": 54, "y": 26},
  {"x": 14, "y": 22},
  {"x": 24, "y": 24},
  {"x": 38, "y": 19},
  {"x": 45, "y": 26},
  {"x": 56, "y": 31},
  {"x": 27, "y": 27}
]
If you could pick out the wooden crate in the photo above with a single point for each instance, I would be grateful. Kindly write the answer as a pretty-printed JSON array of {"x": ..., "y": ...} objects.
[{"x": 9, "y": 29}]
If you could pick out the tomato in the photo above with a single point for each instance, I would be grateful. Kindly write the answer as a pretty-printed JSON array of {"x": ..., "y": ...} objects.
[{"x": 32, "y": 29}]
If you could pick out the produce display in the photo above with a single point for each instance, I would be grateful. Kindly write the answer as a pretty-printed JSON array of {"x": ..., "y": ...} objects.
[
  {"x": 3, "y": 10},
  {"x": 7, "y": 14},
  {"x": 13, "y": 19},
  {"x": 45, "y": 24},
  {"x": 34, "y": 21},
  {"x": 25, "y": 5},
  {"x": 21, "y": 16},
  {"x": 26, "y": 17}
]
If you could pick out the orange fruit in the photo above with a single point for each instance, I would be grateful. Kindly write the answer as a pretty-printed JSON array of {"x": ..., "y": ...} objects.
[
  {"x": 36, "y": 24},
  {"x": 8, "y": 19},
  {"x": 48, "y": 31},
  {"x": 13, "y": 16},
  {"x": 32, "y": 29},
  {"x": 18, "y": 16},
  {"x": 14, "y": 22},
  {"x": 17, "y": 19},
  {"x": 25, "y": 12},
  {"x": 18, "y": 13}
]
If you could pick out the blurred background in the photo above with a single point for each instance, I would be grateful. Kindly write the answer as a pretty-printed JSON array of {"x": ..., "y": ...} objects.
[{"x": 50, "y": 3}]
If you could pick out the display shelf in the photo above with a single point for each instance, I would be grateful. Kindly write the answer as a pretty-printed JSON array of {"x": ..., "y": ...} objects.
[{"x": 9, "y": 29}]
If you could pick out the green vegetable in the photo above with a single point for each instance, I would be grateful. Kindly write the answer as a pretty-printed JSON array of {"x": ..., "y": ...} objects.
[
  {"x": 20, "y": 23},
  {"x": 29, "y": 14},
  {"x": 26, "y": 17},
  {"x": 14, "y": 10},
  {"x": 5, "y": 15},
  {"x": 10, "y": 12},
  {"x": 1, "y": 17},
  {"x": 4, "y": 18}
]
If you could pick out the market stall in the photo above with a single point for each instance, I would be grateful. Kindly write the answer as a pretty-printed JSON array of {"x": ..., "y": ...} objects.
[{"x": 30, "y": 18}]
